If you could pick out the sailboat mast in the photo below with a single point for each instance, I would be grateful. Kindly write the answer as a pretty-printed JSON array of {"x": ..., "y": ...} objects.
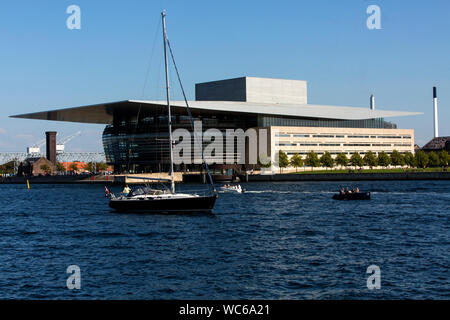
[{"x": 172, "y": 185}]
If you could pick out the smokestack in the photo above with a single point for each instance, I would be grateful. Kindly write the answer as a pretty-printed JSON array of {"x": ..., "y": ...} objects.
[
  {"x": 51, "y": 146},
  {"x": 436, "y": 128},
  {"x": 372, "y": 102}
]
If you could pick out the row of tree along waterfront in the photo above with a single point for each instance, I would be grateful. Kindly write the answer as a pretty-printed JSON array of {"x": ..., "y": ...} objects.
[
  {"x": 420, "y": 159},
  {"x": 74, "y": 167}
]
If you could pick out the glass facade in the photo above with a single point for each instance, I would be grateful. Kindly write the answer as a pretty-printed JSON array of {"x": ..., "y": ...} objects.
[
  {"x": 142, "y": 146},
  {"x": 267, "y": 121}
]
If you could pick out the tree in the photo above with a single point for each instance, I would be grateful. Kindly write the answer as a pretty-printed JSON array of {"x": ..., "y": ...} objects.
[
  {"x": 409, "y": 159},
  {"x": 356, "y": 160},
  {"x": 444, "y": 158},
  {"x": 421, "y": 159},
  {"x": 73, "y": 167},
  {"x": 7, "y": 168},
  {"x": 326, "y": 160},
  {"x": 383, "y": 159},
  {"x": 89, "y": 167},
  {"x": 312, "y": 160},
  {"x": 264, "y": 161},
  {"x": 283, "y": 160},
  {"x": 341, "y": 159},
  {"x": 370, "y": 159},
  {"x": 433, "y": 159},
  {"x": 296, "y": 161},
  {"x": 397, "y": 159},
  {"x": 101, "y": 166},
  {"x": 60, "y": 167},
  {"x": 46, "y": 168}
]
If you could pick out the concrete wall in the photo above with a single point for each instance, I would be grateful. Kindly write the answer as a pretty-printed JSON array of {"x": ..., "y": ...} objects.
[
  {"x": 252, "y": 89},
  {"x": 223, "y": 90},
  {"x": 264, "y": 90}
]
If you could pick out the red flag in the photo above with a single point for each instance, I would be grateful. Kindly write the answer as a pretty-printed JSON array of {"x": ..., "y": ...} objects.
[{"x": 106, "y": 191}]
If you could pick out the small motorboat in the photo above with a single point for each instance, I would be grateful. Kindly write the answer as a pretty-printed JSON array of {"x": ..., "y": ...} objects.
[
  {"x": 352, "y": 196},
  {"x": 234, "y": 189}
]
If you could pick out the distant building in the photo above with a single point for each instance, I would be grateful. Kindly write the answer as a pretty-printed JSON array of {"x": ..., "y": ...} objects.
[
  {"x": 79, "y": 164},
  {"x": 437, "y": 145},
  {"x": 141, "y": 144},
  {"x": 33, "y": 167}
]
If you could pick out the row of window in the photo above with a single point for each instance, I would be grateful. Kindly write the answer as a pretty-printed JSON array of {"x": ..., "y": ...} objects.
[
  {"x": 267, "y": 121},
  {"x": 288, "y": 135},
  {"x": 333, "y": 153},
  {"x": 287, "y": 144}
]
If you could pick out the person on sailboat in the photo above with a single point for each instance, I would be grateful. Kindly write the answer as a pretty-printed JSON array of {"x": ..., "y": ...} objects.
[{"x": 126, "y": 191}]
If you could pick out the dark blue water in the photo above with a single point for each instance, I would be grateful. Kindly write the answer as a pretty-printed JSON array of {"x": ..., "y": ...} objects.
[{"x": 278, "y": 241}]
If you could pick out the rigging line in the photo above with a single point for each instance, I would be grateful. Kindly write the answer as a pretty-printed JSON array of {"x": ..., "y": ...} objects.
[
  {"x": 190, "y": 115},
  {"x": 151, "y": 56},
  {"x": 133, "y": 139}
]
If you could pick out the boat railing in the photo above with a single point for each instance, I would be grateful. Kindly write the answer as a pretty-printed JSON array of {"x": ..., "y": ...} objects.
[
  {"x": 148, "y": 178},
  {"x": 199, "y": 192}
]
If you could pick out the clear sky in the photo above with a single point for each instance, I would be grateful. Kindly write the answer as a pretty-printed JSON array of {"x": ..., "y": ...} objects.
[{"x": 44, "y": 65}]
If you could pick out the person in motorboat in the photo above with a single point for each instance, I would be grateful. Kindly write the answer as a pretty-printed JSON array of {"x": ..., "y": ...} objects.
[{"x": 126, "y": 191}]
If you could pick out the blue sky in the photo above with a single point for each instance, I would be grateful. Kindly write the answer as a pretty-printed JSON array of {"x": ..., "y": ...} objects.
[{"x": 44, "y": 65}]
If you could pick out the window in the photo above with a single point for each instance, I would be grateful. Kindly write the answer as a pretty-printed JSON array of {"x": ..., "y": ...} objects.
[
  {"x": 390, "y": 137},
  {"x": 286, "y": 144},
  {"x": 282, "y": 135},
  {"x": 301, "y": 135},
  {"x": 322, "y": 136}
]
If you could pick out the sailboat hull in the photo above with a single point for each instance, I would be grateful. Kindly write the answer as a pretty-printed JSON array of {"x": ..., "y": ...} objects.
[{"x": 171, "y": 205}]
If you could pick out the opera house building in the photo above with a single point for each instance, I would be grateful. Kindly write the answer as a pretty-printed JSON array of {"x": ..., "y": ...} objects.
[{"x": 135, "y": 137}]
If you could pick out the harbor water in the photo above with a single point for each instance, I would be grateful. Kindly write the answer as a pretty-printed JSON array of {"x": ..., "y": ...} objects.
[{"x": 275, "y": 241}]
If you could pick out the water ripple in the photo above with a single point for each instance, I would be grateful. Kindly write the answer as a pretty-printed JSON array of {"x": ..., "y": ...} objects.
[{"x": 276, "y": 241}]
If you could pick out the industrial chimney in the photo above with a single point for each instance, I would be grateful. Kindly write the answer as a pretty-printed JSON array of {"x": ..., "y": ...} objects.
[
  {"x": 372, "y": 102},
  {"x": 51, "y": 146},
  {"x": 436, "y": 129}
]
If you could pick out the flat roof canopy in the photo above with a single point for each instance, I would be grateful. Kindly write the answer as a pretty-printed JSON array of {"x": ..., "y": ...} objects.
[{"x": 103, "y": 113}]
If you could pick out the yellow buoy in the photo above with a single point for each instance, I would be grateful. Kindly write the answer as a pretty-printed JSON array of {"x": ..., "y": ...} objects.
[{"x": 28, "y": 184}]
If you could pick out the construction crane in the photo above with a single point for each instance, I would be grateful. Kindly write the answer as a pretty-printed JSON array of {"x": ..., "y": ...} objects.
[
  {"x": 62, "y": 142},
  {"x": 36, "y": 148}
]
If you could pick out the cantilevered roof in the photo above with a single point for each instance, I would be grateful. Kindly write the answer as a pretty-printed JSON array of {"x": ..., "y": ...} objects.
[{"x": 103, "y": 113}]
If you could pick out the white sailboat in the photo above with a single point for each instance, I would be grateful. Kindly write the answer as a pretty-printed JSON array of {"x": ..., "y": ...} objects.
[{"x": 148, "y": 200}]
